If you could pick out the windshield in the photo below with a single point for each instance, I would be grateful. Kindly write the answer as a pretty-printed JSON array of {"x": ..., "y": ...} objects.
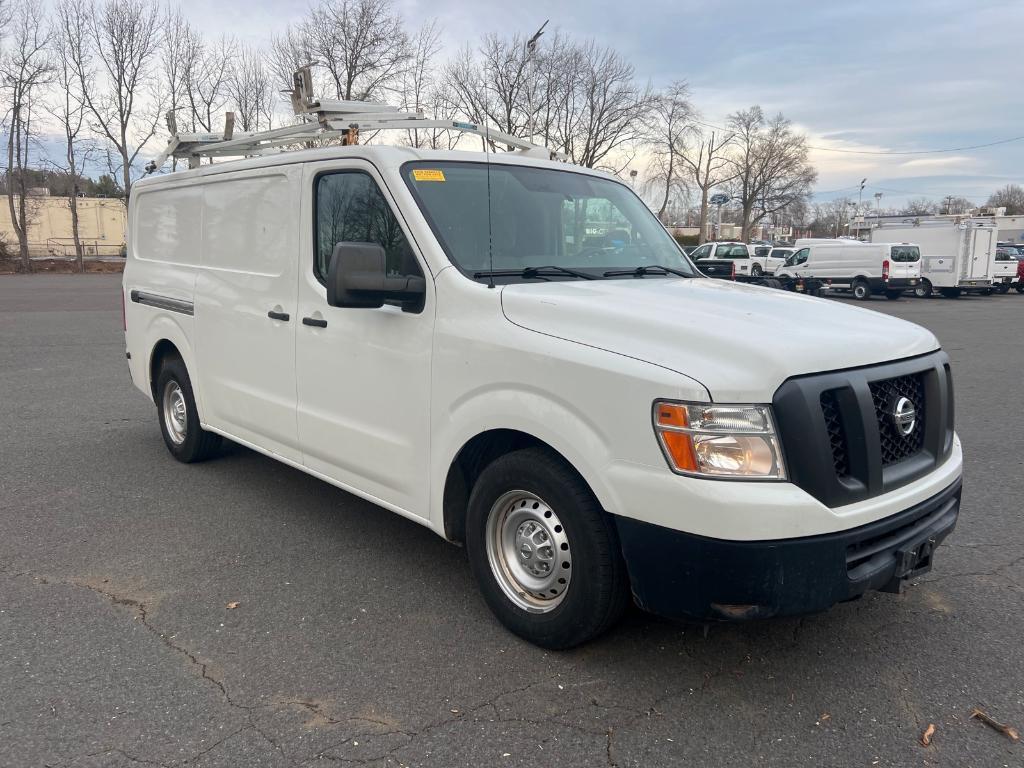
[
  {"x": 539, "y": 217},
  {"x": 906, "y": 253}
]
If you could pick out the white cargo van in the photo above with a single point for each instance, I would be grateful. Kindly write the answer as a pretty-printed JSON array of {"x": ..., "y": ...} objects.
[
  {"x": 956, "y": 254},
  {"x": 514, "y": 353},
  {"x": 865, "y": 269}
]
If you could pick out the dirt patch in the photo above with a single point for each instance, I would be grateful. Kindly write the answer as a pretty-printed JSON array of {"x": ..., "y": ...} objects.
[{"x": 61, "y": 266}]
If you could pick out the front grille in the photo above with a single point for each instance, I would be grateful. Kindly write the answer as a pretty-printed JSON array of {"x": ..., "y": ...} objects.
[
  {"x": 895, "y": 446},
  {"x": 839, "y": 432},
  {"x": 836, "y": 434}
]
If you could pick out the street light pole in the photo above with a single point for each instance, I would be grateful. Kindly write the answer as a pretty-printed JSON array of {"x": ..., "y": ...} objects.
[{"x": 531, "y": 50}]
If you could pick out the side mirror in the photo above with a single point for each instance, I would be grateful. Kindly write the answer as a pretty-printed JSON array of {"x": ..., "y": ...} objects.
[{"x": 358, "y": 278}]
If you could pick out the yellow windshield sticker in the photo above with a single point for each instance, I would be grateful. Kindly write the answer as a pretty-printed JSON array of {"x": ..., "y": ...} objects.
[{"x": 428, "y": 174}]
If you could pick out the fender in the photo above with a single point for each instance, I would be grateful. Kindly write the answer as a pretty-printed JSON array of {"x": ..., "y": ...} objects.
[
  {"x": 560, "y": 424},
  {"x": 164, "y": 325}
]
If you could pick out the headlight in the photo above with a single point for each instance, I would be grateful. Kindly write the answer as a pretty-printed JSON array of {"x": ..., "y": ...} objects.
[{"x": 725, "y": 441}]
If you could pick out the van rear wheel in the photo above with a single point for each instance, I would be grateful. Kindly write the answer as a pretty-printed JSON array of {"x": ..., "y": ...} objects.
[
  {"x": 923, "y": 290},
  {"x": 861, "y": 290},
  {"x": 545, "y": 554},
  {"x": 179, "y": 419}
]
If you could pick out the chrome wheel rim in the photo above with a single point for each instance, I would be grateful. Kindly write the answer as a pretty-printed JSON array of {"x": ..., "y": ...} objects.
[
  {"x": 528, "y": 551},
  {"x": 175, "y": 412}
]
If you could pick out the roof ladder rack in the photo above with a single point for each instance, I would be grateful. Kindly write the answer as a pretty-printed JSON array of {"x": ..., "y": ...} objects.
[{"x": 319, "y": 119}]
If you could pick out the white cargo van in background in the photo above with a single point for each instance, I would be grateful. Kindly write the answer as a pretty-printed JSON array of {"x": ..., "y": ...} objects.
[
  {"x": 956, "y": 254},
  {"x": 862, "y": 268}
]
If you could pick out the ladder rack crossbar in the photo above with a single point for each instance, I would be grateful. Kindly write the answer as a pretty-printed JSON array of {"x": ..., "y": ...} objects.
[{"x": 322, "y": 119}]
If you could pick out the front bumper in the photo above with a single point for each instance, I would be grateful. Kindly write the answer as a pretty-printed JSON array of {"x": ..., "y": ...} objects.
[{"x": 682, "y": 575}]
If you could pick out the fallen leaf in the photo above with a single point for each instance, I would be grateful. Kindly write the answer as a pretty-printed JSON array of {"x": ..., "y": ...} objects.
[
  {"x": 926, "y": 737},
  {"x": 825, "y": 717},
  {"x": 232, "y": 606},
  {"x": 1009, "y": 732}
]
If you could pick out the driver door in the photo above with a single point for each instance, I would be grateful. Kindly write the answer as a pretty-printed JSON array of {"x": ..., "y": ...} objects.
[{"x": 363, "y": 375}]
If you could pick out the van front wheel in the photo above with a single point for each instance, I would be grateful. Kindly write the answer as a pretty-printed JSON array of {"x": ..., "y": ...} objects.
[
  {"x": 179, "y": 420},
  {"x": 545, "y": 554},
  {"x": 861, "y": 290}
]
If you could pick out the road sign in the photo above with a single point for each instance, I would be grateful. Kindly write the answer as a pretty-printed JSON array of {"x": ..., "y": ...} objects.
[{"x": 719, "y": 198}]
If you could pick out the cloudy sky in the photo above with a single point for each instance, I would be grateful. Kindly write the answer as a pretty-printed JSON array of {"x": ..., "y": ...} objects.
[{"x": 901, "y": 75}]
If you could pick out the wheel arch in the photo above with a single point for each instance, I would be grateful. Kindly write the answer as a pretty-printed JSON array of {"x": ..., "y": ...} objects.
[
  {"x": 475, "y": 455},
  {"x": 167, "y": 337}
]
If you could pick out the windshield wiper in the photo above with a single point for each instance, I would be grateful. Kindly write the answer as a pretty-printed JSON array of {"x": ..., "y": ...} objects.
[
  {"x": 530, "y": 272},
  {"x": 643, "y": 271}
]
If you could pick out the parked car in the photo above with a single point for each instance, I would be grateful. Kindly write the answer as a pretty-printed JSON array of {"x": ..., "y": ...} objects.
[
  {"x": 864, "y": 269},
  {"x": 451, "y": 337},
  {"x": 740, "y": 259}
]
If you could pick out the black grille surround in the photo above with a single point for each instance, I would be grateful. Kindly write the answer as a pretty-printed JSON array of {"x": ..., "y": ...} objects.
[{"x": 839, "y": 439}]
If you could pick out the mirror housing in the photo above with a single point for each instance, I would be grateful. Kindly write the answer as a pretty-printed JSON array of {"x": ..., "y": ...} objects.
[{"x": 358, "y": 278}]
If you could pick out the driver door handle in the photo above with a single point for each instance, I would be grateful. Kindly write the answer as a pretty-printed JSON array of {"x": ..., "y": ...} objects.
[{"x": 315, "y": 322}]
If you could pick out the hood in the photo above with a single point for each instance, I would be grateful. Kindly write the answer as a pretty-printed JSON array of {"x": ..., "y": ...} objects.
[{"x": 741, "y": 342}]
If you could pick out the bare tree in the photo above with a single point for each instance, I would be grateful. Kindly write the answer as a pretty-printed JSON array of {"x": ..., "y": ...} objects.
[
  {"x": 954, "y": 205},
  {"x": 114, "y": 65},
  {"x": 1010, "y": 197},
  {"x": 920, "y": 206},
  {"x": 770, "y": 161},
  {"x": 25, "y": 69},
  {"x": 418, "y": 82},
  {"x": 68, "y": 109},
  {"x": 673, "y": 114},
  {"x": 361, "y": 45},
  {"x": 250, "y": 87},
  {"x": 829, "y": 218},
  {"x": 206, "y": 77},
  {"x": 606, "y": 108},
  {"x": 704, "y": 157},
  {"x": 174, "y": 61}
]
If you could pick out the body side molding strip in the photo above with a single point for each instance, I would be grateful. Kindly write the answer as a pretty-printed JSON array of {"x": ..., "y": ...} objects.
[{"x": 163, "y": 302}]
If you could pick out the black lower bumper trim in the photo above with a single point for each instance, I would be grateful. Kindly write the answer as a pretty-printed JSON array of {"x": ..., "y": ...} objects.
[{"x": 681, "y": 575}]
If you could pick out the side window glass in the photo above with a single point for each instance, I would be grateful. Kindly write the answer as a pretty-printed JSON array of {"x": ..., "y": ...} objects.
[
  {"x": 701, "y": 252},
  {"x": 800, "y": 256},
  {"x": 350, "y": 208}
]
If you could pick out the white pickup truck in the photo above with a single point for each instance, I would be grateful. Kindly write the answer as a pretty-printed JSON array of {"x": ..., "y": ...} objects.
[
  {"x": 514, "y": 353},
  {"x": 734, "y": 259}
]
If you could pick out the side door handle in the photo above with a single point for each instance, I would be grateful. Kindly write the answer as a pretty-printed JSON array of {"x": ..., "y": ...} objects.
[
  {"x": 315, "y": 322},
  {"x": 282, "y": 316}
]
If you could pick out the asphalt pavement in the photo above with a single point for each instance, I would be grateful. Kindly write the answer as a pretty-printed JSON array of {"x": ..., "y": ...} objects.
[{"x": 359, "y": 637}]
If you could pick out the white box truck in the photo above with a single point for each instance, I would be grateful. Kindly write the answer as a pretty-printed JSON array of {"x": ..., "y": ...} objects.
[{"x": 956, "y": 254}]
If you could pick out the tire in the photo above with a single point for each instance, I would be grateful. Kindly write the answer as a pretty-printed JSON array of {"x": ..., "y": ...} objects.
[
  {"x": 179, "y": 419},
  {"x": 923, "y": 290},
  {"x": 1002, "y": 289},
  {"x": 773, "y": 283},
  {"x": 531, "y": 498},
  {"x": 1019, "y": 287},
  {"x": 950, "y": 293},
  {"x": 756, "y": 271},
  {"x": 861, "y": 290},
  {"x": 893, "y": 295}
]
